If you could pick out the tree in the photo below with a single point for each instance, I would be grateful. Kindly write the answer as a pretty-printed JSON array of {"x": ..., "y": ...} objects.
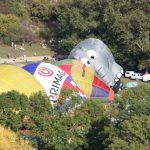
[
  {"x": 19, "y": 7},
  {"x": 144, "y": 64},
  {"x": 136, "y": 100},
  {"x": 129, "y": 29},
  {"x": 75, "y": 20},
  {"x": 125, "y": 123},
  {"x": 40, "y": 9},
  {"x": 12, "y": 105},
  {"x": 62, "y": 130},
  {"x": 123, "y": 27},
  {"x": 132, "y": 133},
  {"x": 10, "y": 28},
  {"x": 10, "y": 140}
]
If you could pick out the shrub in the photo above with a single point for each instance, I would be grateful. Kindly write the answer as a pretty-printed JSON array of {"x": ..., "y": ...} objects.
[
  {"x": 10, "y": 140},
  {"x": 10, "y": 28}
]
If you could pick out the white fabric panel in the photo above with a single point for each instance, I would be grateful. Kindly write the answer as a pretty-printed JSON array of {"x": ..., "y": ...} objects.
[{"x": 51, "y": 78}]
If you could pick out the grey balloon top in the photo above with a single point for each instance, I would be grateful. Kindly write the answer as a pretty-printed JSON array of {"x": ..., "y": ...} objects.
[{"x": 94, "y": 53}]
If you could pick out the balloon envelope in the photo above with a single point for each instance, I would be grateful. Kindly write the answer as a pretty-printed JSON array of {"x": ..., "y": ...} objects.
[
  {"x": 53, "y": 79},
  {"x": 15, "y": 78},
  {"x": 85, "y": 77},
  {"x": 98, "y": 56}
]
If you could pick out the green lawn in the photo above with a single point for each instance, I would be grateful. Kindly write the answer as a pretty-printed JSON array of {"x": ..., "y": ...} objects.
[
  {"x": 29, "y": 51},
  {"x": 125, "y": 80}
]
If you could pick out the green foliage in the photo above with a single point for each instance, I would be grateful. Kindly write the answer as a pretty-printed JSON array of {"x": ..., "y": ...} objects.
[
  {"x": 13, "y": 100},
  {"x": 64, "y": 130},
  {"x": 129, "y": 28},
  {"x": 10, "y": 28},
  {"x": 144, "y": 64},
  {"x": 132, "y": 133},
  {"x": 19, "y": 7},
  {"x": 68, "y": 100},
  {"x": 10, "y": 140},
  {"x": 124, "y": 124},
  {"x": 12, "y": 105},
  {"x": 76, "y": 18},
  {"x": 40, "y": 9},
  {"x": 136, "y": 100},
  {"x": 123, "y": 26},
  {"x": 68, "y": 43},
  {"x": 40, "y": 105}
]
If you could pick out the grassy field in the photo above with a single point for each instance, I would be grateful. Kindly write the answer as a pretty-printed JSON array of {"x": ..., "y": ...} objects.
[
  {"x": 29, "y": 51},
  {"x": 125, "y": 80}
]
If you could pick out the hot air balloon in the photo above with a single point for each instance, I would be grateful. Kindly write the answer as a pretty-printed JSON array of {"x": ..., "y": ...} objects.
[
  {"x": 15, "y": 78},
  {"x": 85, "y": 77},
  {"x": 98, "y": 56},
  {"x": 53, "y": 79}
]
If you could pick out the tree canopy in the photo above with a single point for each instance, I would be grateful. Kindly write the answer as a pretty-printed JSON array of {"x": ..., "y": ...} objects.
[
  {"x": 124, "y": 26},
  {"x": 123, "y": 124},
  {"x": 10, "y": 28}
]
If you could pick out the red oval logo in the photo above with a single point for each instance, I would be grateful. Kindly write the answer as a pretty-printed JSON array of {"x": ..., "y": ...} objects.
[{"x": 46, "y": 72}]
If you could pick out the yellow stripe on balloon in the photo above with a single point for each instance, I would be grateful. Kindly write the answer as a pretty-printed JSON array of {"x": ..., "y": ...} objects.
[
  {"x": 84, "y": 82},
  {"x": 15, "y": 78}
]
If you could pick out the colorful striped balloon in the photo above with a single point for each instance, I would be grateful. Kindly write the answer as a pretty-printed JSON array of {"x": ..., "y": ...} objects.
[
  {"x": 53, "y": 79},
  {"x": 85, "y": 77}
]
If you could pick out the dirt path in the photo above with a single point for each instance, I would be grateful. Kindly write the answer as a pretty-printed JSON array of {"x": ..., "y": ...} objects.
[{"x": 21, "y": 59}]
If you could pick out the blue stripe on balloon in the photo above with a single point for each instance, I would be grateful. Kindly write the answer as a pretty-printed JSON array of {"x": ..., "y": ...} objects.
[
  {"x": 69, "y": 79},
  {"x": 31, "y": 67},
  {"x": 99, "y": 92}
]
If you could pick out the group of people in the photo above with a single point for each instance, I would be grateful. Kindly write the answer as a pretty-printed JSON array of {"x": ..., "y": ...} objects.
[
  {"x": 13, "y": 45},
  {"x": 24, "y": 57},
  {"x": 43, "y": 44}
]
